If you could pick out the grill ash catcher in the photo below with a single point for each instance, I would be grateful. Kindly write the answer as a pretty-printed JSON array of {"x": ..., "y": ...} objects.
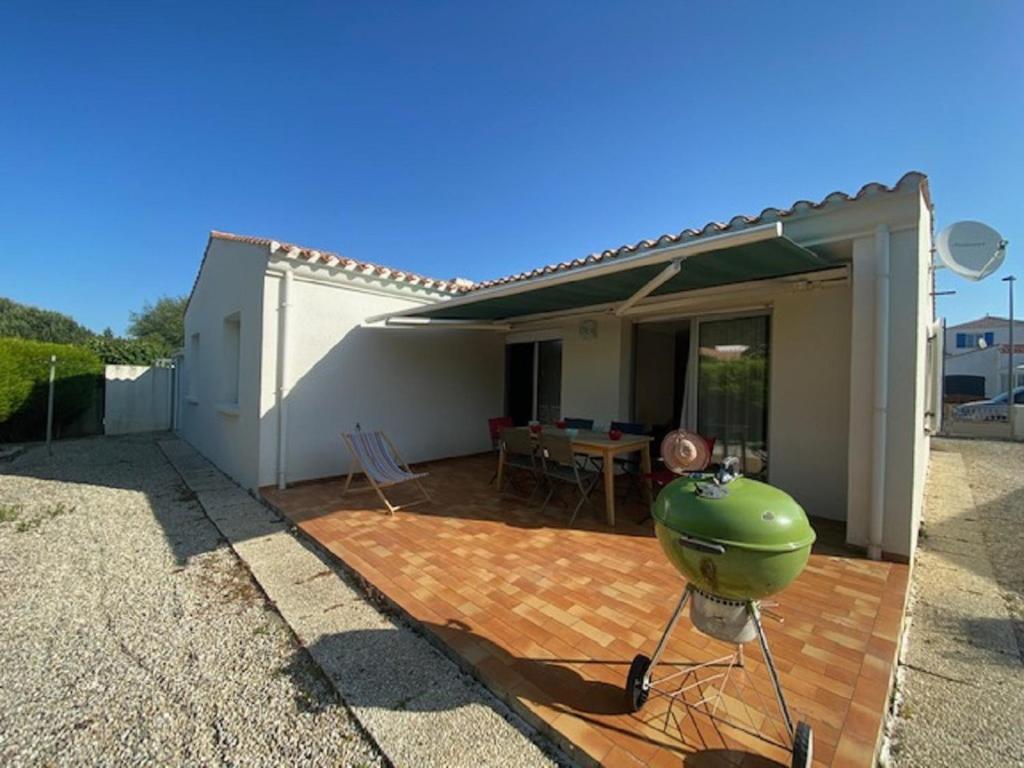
[{"x": 737, "y": 541}]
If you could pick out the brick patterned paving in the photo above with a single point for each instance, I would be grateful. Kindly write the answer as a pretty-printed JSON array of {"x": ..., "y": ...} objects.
[{"x": 550, "y": 617}]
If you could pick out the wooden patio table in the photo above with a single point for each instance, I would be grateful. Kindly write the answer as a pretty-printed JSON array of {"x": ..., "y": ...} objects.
[{"x": 590, "y": 443}]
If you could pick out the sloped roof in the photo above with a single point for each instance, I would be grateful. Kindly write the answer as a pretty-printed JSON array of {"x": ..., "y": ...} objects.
[
  {"x": 988, "y": 321},
  {"x": 457, "y": 286},
  {"x": 313, "y": 256},
  {"x": 910, "y": 180}
]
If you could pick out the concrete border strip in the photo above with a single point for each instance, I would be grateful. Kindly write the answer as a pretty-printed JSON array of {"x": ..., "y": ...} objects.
[{"x": 414, "y": 702}]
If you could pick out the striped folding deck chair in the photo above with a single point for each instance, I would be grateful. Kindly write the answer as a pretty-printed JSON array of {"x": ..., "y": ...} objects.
[{"x": 375, "y": 456}]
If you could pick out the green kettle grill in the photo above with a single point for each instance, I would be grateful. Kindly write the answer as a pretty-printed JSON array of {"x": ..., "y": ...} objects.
[{"x": 737, "y": 541}]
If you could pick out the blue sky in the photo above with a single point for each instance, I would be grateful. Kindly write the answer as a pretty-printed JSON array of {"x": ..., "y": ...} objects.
[{"x": 478, "y": 139}]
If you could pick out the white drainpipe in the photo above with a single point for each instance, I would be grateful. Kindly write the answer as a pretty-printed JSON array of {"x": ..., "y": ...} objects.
[
  {"x": 283, "y": 379},
  {"x": 877, "y": 519}
]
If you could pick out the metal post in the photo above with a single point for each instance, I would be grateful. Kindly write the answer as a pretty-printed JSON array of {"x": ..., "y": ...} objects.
[
  {"x": 942, "y": 382},
  {"x": 49, "y": 406},
  {"x": 1012, "y": 379}
]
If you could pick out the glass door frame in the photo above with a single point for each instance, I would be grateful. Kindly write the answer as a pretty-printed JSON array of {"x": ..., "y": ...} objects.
[
  {"x": 693, "y": 365},
  {"x": 536, "y": 338}
]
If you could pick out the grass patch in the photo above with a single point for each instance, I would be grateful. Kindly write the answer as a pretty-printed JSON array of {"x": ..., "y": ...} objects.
[
  {"x": 9, "y": 513},
  {"x": 48, "y": 513}
]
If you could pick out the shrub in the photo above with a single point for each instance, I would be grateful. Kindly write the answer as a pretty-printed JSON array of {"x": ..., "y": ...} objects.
[
  {"x": 118, "y": 351},
  {"x": 24, "y": 385}
]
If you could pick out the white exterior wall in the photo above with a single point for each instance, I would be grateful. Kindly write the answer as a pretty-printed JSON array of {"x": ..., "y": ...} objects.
[
  {"x": 809, "y": 394},
  {"x": 596, "y": 371},
  {"x": 918, "y": 270},
  {"x": 230, "y": 281},
  {"x": 431, "y": 390},
  {"x": 907, "y": 442}
]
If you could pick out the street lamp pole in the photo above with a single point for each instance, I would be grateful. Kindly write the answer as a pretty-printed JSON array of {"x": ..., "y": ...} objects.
[{"x": 1010, "y": 280}]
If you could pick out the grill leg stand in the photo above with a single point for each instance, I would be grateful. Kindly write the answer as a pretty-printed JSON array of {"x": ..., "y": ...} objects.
[
  {"x": 756, "y": 615},
  {"x": 668, "y": 631}
]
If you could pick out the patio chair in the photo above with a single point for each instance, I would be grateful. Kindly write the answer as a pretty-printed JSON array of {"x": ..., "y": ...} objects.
[
  {"x": 495, "y": 427},
  {"x": 559, "y": 463},
  {"x": 662, "y": 476},
  {"x": 578, "y": 423},
  {"x": 521, "y": 453},
  {"x": 630, "y": 463},
  {"x": 375, "y": 456}
]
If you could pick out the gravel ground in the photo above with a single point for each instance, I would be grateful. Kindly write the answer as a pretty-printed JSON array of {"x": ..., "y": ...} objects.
[
  {"x": 130, "y": 633},
  {"x": 996, "y": 474},
  {"x": 961, "y": 698}
]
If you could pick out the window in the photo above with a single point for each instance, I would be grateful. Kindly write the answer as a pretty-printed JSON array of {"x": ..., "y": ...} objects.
[
  {"x": 192, "y": 369},
  {"x": 970, "y": 340},
  {"x": 231, "y": 350}
]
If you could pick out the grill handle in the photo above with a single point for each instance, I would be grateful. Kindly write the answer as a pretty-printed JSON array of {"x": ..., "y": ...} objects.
[{"x": 708, "y": 547}]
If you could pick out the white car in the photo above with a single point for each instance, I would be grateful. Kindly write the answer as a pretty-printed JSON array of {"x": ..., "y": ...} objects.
[{"x": 993, "y": 409}]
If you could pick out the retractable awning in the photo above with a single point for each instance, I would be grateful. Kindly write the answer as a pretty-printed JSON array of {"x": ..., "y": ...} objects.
[{"x": 753, "y": 254}]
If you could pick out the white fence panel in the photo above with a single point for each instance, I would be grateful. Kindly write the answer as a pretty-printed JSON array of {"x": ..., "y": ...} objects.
[{"x": 138, "y": 399}]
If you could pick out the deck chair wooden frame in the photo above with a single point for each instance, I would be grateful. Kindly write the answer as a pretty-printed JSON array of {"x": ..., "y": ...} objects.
[{"x": 396, "y": 470}]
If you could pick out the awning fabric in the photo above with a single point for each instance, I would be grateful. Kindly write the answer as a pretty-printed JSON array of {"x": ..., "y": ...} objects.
[{"x": 776, "y": 257}]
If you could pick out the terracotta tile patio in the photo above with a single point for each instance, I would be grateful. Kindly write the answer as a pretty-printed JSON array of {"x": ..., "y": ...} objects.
[{"x": 550, "y": 617}]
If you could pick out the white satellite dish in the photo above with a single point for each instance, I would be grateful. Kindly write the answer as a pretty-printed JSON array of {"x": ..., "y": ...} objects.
[{"x": 971, "y": 249}]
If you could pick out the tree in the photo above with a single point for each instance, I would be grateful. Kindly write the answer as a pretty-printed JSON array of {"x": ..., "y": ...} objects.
[
  {"x": 25, "y": 322},
  {"x": 113, "y": 350},
  {"x": 163, "y": 321}
]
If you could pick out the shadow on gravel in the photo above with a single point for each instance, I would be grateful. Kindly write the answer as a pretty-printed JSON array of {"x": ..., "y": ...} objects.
[
  {"x": 127, "y": 463},
  {"x": 999, "y": 515},
  {"x": 988, "y": 633},
  {"x": 389, "y": 669}
]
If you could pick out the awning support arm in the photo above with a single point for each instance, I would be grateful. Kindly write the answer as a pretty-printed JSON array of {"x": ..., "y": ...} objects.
[
  {"x": 420, "y": 322},
  {"x": 651, "y": 286}
]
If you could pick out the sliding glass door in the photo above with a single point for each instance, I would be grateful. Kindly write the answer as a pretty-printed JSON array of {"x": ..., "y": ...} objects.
[
  {"x": 732, "y": 389},
  {"x": 533, "y": 381},
  {"x": 549, "y": 381}
]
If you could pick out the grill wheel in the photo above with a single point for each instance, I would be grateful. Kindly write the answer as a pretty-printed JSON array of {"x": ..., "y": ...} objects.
[
  {"x": 803, "y": 746},
  {"x": 636, "y": 692}
]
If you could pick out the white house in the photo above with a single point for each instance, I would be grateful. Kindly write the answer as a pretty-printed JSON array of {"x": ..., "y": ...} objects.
[
  {"x": 825, "y": 305},
  {"x": 981, "y": 348}
]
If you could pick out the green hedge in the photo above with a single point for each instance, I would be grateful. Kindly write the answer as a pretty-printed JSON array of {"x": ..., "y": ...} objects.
[
  {"x": 118, "y": 351},
  {"x": 24, "y": 383}
]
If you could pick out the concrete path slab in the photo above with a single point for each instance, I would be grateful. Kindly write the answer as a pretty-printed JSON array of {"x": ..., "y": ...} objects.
[
  {"x": 419, "y": 708},
  {"x": 961, "y": 699}
]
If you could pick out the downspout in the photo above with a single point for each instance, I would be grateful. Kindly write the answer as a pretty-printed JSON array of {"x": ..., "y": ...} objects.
[
  {"x": 881, "y": 414},
  {"x": 283, "y": 378}
]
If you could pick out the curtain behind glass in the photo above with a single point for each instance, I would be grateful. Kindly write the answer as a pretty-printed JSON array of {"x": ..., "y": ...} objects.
[
  {"x": 549, "y": 381},
  {"x": 732, "y": 390}
]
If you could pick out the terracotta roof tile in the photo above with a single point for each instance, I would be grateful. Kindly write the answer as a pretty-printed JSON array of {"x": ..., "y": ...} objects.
[
  {"x": 873, "y": 189},
  {"x": 313, "y": 256},
  {"x": 461, "y": 286}
]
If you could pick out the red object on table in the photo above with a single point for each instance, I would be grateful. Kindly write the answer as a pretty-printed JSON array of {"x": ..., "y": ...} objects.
[
  {"x": 615, "y": 434},
  {"x": 535, "y": 428},
  {"x": 497, "y": 424},
  {"x": 560, "y": 423}
]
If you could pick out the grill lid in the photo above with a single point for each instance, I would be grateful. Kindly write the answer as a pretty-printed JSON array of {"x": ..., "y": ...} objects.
[{"x": 744, "y": 513}]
